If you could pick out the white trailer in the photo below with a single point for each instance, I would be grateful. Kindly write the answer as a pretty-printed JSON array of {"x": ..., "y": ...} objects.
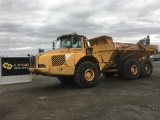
[{"x": 156, "y": 57}]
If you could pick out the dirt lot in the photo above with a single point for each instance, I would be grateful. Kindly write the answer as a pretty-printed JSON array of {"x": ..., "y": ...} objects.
[{"x": 45, "y": 98}]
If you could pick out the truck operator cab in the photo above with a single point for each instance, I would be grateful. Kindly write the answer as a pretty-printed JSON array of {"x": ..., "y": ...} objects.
[{"x": 69, "y": 41}]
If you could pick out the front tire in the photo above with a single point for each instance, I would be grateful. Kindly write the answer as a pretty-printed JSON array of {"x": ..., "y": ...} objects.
[
  {"x": 86, "y": 75},
  {"x": 131, "y": 69}
]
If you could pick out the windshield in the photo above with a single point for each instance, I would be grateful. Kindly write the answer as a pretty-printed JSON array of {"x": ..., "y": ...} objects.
[{"x": 68, "y": 42}]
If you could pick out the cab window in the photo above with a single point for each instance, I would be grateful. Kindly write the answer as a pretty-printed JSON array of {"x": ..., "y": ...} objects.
[{"x": 77, "y": 43}]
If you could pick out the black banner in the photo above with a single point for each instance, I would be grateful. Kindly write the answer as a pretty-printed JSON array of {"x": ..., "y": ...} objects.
[{"x": 15, "y": 66}]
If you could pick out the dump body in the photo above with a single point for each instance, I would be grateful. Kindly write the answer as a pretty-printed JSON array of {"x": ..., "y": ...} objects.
[{"x": 106, "y": 49}]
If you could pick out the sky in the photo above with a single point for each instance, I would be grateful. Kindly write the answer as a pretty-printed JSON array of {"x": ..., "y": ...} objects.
[{"x": 27, "y": 25}]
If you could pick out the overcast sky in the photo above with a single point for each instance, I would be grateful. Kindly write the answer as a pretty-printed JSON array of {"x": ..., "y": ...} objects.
[{"x": 26, "y": 25}]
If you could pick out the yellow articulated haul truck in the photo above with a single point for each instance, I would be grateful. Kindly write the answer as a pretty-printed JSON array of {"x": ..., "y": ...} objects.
[{"x": 80, "y": 60}]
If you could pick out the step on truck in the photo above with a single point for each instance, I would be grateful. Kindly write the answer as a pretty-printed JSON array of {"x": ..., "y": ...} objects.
[{"x": 76, "y": 59}]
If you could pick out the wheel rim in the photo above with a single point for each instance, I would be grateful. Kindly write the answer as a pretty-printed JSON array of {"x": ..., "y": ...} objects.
[
  {"x": 89, "y": 74},
  {"x": 147, "y": 68},
  {"x": 134, "y": 69}
]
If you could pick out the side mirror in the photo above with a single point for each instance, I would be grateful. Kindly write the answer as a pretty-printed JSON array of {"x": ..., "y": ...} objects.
[
  {"x": 53, "y": 44},
  {"x": 87, "y": 44}
]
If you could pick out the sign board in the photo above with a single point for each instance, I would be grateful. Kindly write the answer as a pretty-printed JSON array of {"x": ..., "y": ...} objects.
[{"x": 15, "y": 66}]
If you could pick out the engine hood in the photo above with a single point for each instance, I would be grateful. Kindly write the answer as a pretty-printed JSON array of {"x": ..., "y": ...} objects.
[{"x": 56, "y": 51}]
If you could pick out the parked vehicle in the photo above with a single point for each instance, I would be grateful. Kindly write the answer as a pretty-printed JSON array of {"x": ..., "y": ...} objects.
[
  {"x": 80, "y": 60},
  {"x": 156, "y": 57}
]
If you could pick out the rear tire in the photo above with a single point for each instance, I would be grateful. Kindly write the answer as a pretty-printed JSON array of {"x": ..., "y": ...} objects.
[
  {"x": 131, "y": 69},
  {"x": 86, "y": 75},
  {"x": 146, "y": 68}
]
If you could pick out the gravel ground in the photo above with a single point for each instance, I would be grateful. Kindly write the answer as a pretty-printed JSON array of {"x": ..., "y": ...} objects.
[{"x": 45, "y": 98}]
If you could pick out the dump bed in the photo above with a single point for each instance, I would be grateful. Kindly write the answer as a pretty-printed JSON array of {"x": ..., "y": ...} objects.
[{"x": 104, "y": 47}]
